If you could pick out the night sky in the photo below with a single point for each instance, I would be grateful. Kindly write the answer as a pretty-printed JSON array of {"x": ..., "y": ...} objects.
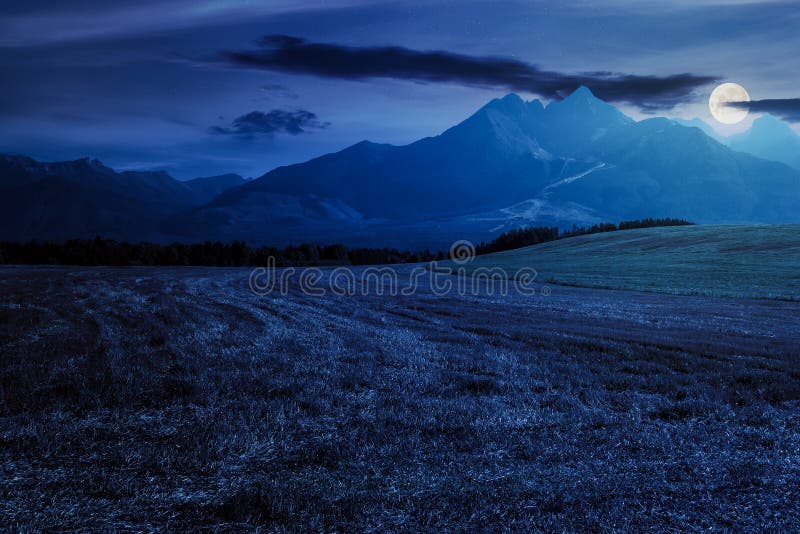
[{"x": 201, "y": 88}]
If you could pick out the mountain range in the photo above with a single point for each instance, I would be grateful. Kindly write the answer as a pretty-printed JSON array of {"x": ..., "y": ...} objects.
[
  {"x": 512, "y": 163},
  {"x": 84, "y": 198},
  {"x": 769, "y": 138}
]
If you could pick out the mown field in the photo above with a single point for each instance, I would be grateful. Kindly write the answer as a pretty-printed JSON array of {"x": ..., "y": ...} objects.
[
  {"x": 175, "y": 398},
  {"x": 758, "y": 261}
]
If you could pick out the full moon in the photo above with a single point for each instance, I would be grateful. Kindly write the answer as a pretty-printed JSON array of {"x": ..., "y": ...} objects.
[{"x": 728, "y": 92}]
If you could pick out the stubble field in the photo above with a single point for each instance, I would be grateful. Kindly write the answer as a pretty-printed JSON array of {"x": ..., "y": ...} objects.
[{"x": 150, "y": 398}]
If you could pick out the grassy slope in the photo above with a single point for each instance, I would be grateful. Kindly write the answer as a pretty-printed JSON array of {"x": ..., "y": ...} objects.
[{"x": 760, "y": 261}]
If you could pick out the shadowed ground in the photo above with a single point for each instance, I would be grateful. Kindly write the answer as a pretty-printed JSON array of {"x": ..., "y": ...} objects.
[{"x": 176, "y": 398}]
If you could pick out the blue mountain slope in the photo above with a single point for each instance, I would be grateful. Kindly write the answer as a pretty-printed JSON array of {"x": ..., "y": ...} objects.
[
  {"x": 208, "y": 188},
  {"x": 84, "y": 198},
  {"x": 516, "y": 163},
  {"x": 703, "y": 126},
  {"x": 572, "y": 126},
  {"x": 769, "y": 138},
  {"x": 490, "y": 160},
  {"x": 659, "y": 168},
  {"x": 512, "y": 163}
]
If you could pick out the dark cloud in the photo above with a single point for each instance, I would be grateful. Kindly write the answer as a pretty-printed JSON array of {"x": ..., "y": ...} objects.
[
  {"x": 295, "y": 55},
  {"x": 785, "y": 108},
  {"x": 258, "y": 123}
]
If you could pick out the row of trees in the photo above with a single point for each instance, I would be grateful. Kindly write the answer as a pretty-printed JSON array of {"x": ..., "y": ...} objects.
[{"x": 100, "y": 251}]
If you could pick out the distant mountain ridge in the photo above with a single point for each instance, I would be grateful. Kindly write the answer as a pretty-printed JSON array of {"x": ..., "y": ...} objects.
[
  {"x": 769, "y": 138},
  {"x": 516, "y": 163},
  {"x": 209, "y": 187},
  {"x": 702, "y": 125},
  {"x": 84, "y": 198},
  {"x": 512, "y": 163}
]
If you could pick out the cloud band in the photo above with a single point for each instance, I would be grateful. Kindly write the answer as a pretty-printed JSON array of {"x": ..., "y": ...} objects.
[
  {"x": 299, "y": 56},
  {"x": 785, "y": 108}
]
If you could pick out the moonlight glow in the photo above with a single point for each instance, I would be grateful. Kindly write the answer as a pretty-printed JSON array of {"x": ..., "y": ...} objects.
[{"x": 728, "y": 92}]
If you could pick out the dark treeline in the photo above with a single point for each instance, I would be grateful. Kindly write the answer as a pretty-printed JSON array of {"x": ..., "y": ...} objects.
[
  {"x": 525, "y": 237},
  {"x": 521, "y": 237},
  {"x": 100, "y": 251}
]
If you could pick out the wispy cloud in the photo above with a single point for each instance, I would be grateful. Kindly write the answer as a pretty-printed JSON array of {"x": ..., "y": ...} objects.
[
  {"x": 259, "y": 124},
  {"x": 785, "y": 108},
  {"x": 43, "y": 22},
  {"x": 295, "y": 55}
]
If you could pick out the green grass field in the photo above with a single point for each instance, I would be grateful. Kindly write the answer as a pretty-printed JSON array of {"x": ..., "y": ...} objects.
[{"x": 757, "y": 261}]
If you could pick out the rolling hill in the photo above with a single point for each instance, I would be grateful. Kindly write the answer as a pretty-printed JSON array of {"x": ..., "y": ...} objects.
[{"x": 754, "y": 261}]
